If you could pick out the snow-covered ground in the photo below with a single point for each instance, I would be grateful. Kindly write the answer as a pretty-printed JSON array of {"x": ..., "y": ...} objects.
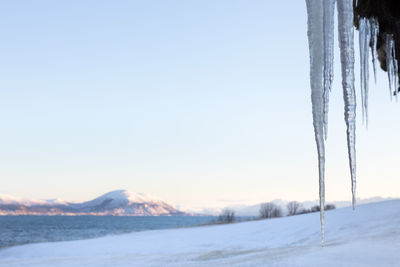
[{"x": 369, "y": 236}]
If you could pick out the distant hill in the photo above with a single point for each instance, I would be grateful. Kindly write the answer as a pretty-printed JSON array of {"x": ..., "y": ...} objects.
[
  {"x": 120, "y": 203},
  {"x": 253, "y": 210}
]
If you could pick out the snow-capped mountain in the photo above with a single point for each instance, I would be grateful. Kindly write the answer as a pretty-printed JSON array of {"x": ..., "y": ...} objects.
[{"x": 120, "y": 202}]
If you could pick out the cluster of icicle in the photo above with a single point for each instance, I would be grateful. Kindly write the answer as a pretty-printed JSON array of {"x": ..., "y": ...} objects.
[{"x": 321, "y": 46}]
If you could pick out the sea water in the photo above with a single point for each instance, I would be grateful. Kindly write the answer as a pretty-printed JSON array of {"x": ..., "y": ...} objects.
[{"x": 18, "y": 230}]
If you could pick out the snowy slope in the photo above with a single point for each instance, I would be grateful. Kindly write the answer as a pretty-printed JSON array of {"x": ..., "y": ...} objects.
[{"x": 369, "y": 236}]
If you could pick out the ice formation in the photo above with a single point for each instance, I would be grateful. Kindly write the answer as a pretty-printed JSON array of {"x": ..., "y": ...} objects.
[
  {"x": 321, "y": 44},
  {"x": 364, "y": 40},
  {"x": 346, "y": 43},
  {"x": 328, "y": 33},
  {"x": 374, "y": 41},
  {"x": 316, "y": 46},
  {"x": 391, "y": 65}
]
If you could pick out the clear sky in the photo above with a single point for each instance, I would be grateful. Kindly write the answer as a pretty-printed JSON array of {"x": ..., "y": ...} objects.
[{"x": 197, "y": 102}]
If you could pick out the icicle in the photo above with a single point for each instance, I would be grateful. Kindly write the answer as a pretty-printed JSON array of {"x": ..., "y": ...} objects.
[
  {"x": 374, "y": 40},
  {"x": 328, "y": 33},
  {"x": 364, "y": 39},
  {"x": 389, "y": 61},
  {"x": 346, "y": 44},
  {"x": 395, "y": 72},
  {"x": 316, "y": 45}
]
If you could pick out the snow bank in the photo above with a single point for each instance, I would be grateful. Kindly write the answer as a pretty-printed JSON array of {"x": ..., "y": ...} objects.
[{"x": 369, "y": 236}]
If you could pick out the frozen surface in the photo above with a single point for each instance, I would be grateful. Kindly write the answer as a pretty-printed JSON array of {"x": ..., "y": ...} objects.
[{"x": 369, "y": 236}]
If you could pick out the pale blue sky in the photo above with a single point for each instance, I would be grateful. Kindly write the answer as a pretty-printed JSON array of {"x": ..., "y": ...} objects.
[{"x": 198, "y": 102}]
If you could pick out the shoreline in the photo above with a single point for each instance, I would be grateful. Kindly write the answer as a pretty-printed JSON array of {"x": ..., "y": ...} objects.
[{"x": 368, "y": 236}]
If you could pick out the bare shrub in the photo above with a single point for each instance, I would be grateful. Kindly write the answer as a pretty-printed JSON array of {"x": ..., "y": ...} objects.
[
  {"x": 315, "y": 208},
  {"x": 226, "y": 216},
  {"x": 327, "y": 207},
  {"x": 293, "y": 208},
  {"x": 330, "y": 207},
  {"x": 270, "y": 210}
]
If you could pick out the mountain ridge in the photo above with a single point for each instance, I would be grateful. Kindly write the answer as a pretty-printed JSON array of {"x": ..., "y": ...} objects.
[{"x": 114, "y": 203}]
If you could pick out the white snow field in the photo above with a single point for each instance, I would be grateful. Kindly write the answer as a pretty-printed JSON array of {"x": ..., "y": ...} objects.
[{"x": 368, "y": 236}]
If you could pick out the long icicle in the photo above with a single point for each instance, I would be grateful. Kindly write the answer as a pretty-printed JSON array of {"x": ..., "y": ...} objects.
[
  {"x": 316, "y": 45},
  {"x": 328, "y": 24},
  {"x": 389, "y": 62},
  {"x": 374, "y": 41},
  {"x": 365, "y": 69},
  {"x": 364, "y": 41},
  {"x": 395, "y": 74},
  {"x": 346, "y": 44}
]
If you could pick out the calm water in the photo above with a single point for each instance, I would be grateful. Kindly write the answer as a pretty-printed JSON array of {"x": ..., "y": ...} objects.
[{"x": 18, "y": 230}]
